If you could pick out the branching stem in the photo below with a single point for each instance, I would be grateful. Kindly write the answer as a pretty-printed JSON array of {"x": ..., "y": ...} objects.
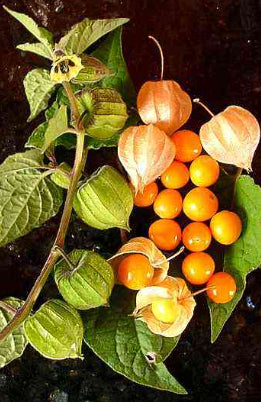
[{"x": 80, "y": 158}]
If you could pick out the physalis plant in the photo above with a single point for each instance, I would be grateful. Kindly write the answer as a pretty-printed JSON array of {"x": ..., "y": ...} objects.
[{"x": 131, "y": 308}]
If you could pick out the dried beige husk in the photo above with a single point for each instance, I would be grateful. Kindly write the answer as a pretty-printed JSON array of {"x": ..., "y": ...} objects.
[
  {"x": 145, "y": 152},
  {"x": 171, "y": 288},
  {"x": 231, "y": 136}
]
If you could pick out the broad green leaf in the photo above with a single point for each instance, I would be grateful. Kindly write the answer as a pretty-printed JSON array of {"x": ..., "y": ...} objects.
[
  {"x": 27, "y": 197},
  {"x": 36, "y": 139},
  {"x": 42, "y": 34},
  {"x": 110, "y": 53},
  {"x": 243, "y": 256},
  {"x": 57, "y": 126},
  {"x": 87, "y": 283},
  {"x": 104, "y": 200},
  {"x": 128, "y": 346},
  {"x": 86, "y": 32},
  {"x": 37, "y": 48},
  {"x": 38, "y": 89},
  {"x": 55, "y": 330},
  {"x": 15, "y": 343}
]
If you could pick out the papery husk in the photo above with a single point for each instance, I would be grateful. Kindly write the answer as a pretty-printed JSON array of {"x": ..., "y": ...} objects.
[
  {"x": 231, "y": 136},
  {"x": 164, "y": 104},
  {"x": 145, "y": 152},
  {"x": 174, "y": 288},
  {"x": 144, "y": 246}
]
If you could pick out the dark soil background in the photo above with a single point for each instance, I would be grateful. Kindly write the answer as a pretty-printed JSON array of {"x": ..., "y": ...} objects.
[{"x": 213, "y": 49}]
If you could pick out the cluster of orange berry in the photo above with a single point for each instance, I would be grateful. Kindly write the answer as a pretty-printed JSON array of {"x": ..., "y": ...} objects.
[{"x": 200, "y": 204}]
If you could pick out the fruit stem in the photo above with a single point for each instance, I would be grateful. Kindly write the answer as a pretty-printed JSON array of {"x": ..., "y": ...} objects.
[
  {"x": 161, "y": 55},
  {"x": 197, "y": 100},
  {"x": 65, "y": 257},
  {"x": 198, "y": 292},
  {"x": 171, "y": 257}
]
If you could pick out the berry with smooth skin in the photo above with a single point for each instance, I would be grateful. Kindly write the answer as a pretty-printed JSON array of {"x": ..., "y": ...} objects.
[
  {"x": 135, "y": 272},
  {"x": 200, "y": 204},
  {"x": 147, "y": 197},
  {"x": 196, "y": 236},
  {"x": 176, "y": 176},
  {"x": 226, "y": 227},
  {"x": 222, "y": 287},
  {"x": 168, "y": 204},
  {"x": 188, "y": 145},
  {"x": 198, "y": 268},
  {"x": 165, "y": 233},
  {"x": 204, "y": 171},
  {"x": 165, "y": 310}
]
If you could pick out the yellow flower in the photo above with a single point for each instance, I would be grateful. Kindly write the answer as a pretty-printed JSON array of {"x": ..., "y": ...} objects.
[{"x": 66, "y": 68}]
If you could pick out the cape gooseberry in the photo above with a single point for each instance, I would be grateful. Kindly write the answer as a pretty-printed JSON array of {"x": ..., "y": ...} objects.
[{"x": 163, "y": 103}]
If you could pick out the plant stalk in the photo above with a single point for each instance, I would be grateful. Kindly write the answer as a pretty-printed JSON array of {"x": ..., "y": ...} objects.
[{"x": 80, "y": 158}]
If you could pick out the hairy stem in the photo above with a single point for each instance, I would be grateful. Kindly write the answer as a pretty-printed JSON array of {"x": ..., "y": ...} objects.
[{"x": 80, "y": 158}]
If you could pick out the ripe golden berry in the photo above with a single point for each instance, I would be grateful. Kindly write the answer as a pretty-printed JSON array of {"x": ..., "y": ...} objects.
[
  {"x": 198, "y": 268},
  {"x": 135, "y": 272},
  {"x": 165, "y": 310},
  {"x": 222, "y": 287},
  {"x": 168, "y": 204},
  {"x": 196, "y": 236},
  {"x": 200, "y": 204},
  {"x": 165, "y": 233},
  {"x": 176, "y": 176},
  {"x": 147, "y": 197},
  {"x": 188, "y": 145},
  {"x": 204, "y": 171},
  {"x": 226, "y": 227}
]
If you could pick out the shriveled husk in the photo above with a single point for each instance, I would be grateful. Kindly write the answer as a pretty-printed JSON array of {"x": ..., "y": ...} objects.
[
  {"x": 231, "y": 136},
  {"x": 171, "y": 288},
  {"x": 164, "y": 104},
  {"x": 144, "y": 246},
  {"x": 145, "y": 152}
]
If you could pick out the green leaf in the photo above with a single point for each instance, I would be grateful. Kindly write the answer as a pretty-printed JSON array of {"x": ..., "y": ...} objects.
[
  {"x": 27, "y": 197},
  {"x": 36, "y": 139},
  {"x": 86, "y": 32},
  {"x": 110, "y": 53},
  {"x": 38, "y": 89},
  {"x": 42, "y": 34},
  {"x": 87, "y": 283},
  {"x": 127, "y": 345},
  {"x": 57, "y": 126},
  {"x": 61, "y": 176},
  {"x": 55, "y": 330},
  {"x": 243, "y": 256},
  {"x": 104, "y": 200},
  {"x": 37, "y": 48},
  {"x": 15, "y": 343}
]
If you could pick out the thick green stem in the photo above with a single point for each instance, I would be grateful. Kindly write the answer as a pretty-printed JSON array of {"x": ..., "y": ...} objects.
[{"x": 80, "y": 157}]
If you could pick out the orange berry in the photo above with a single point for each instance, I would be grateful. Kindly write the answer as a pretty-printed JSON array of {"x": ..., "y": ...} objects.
[
  {"x": 168, "y": 204},
  {"x": 135, "y": 272},
  {"x": 204, "y": 171},
  {"x": 188, "y": 145},
  {"x": 147, "y": 197},
  {"x": 165, "y": 310},
  {"x": 196, "y": 236},
  {"x": 226, "y": 227},
  {"x": 165, "y": 233},
  {"x": 176, "y": 176},
  {"x": 223, "y": 287},
  {"x": 200, "y": 204},
  {"x": 198, "y": 268}
]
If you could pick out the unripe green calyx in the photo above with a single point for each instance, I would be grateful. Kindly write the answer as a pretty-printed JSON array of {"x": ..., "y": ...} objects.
[
  {"x": 104, "y": 200},
  {"x": 103, "y": 112},
  {"x": 55, "y": 330},
  {"x": 85, "y": 283},
  {"x": 61, "y": 176},
  {"x": 93, "y": 70}
]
